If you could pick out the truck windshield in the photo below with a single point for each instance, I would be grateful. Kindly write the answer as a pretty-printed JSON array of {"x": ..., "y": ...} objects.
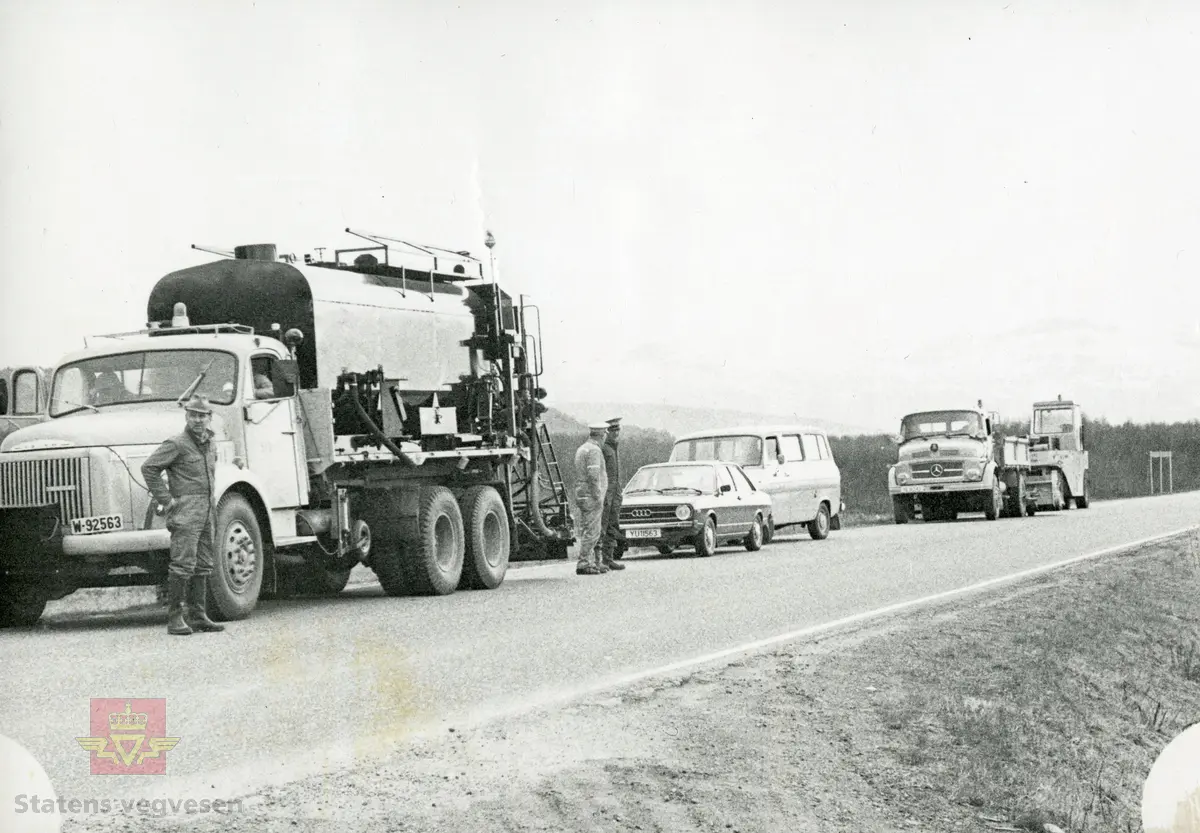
[
  {"x": 149, "y": 376},
  {"x": 940, "y": 423},
  {"x": 1053, "y": 421},
  {"x": 668, "y": 478},
  {"x": 743, "y": 450}
]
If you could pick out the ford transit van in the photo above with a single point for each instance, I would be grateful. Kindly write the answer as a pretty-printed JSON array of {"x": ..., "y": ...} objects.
[{"x": 791, "y": 463}]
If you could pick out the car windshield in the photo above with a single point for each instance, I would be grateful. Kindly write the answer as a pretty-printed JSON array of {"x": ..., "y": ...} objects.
[
  {"x": 1053, "y": 421},
  {"x": 742, "y": 450},
  {"x": 148, "y": 376},
  {"x": 668, "y": 478},
  {"x": 940, "y": 423}
]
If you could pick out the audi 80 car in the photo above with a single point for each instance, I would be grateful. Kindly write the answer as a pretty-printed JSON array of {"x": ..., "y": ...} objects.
[{"x": 702, "y": 504}]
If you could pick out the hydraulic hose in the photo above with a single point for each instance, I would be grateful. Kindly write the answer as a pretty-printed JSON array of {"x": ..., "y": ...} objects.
[{"x": 404, "y": 457}]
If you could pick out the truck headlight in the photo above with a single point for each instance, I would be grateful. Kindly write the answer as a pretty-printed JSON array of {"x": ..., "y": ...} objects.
[
  {"x": 901, "y": 477},
  {"x": 973, "y": 473},
  {"x": 683, "y": 511}
]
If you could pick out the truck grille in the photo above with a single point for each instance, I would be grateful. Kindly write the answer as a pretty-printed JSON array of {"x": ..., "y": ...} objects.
[
  {"x": 648, "y": 514},
  {"x": 61, "y": 483},
  {"x": 926, "y": 471}
]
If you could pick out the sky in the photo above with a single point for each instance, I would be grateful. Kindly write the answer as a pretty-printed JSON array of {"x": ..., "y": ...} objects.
[{"x": 840, "y": 210}]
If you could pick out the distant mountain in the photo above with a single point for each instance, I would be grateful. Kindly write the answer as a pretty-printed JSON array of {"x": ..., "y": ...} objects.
[{"x": 678, "y": 421}]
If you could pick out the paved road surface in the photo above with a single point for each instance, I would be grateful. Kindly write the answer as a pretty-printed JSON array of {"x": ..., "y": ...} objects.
[{"x": 312, "y": 683}]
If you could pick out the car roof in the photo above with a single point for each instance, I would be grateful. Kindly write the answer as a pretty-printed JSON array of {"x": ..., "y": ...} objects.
[{"x": 753, "y": 430}]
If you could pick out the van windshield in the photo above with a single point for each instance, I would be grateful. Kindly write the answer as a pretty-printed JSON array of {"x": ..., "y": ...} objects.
[{"x": 743, "y": 450}]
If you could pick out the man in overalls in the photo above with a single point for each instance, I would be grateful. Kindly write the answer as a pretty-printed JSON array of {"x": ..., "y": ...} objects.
[
  {"x": 591, "y": 485},
  {"x": 189, "y": 460}
]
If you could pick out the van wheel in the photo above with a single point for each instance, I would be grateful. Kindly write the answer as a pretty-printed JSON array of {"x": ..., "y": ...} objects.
[
  {"x": 488, "y": 542},
  {"x": 818, "y": 527},
  {"x": 706, "y": 539},
  {"x": 237, "y": 574},
  {"x": 754, "y": 539},
  {"x": 769, "y": 530}
]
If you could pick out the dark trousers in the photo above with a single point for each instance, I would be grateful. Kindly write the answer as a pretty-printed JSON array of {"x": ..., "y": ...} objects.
[
  {"x": 191, "y": 525},
  {"x": 612, "y": 526}
]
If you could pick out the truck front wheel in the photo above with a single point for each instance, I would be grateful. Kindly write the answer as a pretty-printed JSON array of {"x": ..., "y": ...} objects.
[
  {"x": 996, "y": 504},
  {"x": 21, "y": 604},
  {"x": 902, "y": 510},
  {"x": 237, "y": 560},
  {"x": 1082, "y": 501}
]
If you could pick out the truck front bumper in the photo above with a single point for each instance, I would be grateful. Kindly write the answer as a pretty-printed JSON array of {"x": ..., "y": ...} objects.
[
  {"x": 939, "y": 488},
  {"x": 109, "y": 543}
]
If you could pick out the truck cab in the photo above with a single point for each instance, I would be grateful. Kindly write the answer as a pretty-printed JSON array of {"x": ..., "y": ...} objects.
[
  {"x": 950, "y": 461},
  {"x": 22, "y": 398},
  {"x": 1059, "y": 476}
]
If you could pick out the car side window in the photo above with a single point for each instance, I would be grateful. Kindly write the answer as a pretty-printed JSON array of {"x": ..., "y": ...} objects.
[
  {"x": 25, "y": 393},
  {"x": 723, "y": 478},
  {"x": 791, "y": 447},
  {"x": 811, "y": 450},
  {"x": 823, "y": 445},
  {"x": 742, "y": 481},
  {"x": 3, "y": 397},
  {"x": 772, "y": 458}
]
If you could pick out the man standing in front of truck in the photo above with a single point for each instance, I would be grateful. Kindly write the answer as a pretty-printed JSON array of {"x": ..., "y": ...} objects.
[
  {"x": 591, "y": 485},
  {"x": 611, "y": 533},
  {"x": 190, "y": 461}
]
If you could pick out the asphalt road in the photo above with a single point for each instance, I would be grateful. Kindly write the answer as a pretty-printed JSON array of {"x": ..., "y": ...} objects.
[{"x": 308, "y": 684}]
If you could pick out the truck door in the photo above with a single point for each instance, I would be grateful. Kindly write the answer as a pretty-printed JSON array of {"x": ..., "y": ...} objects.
[
  {"x": 274, "y": 444},
  {"x": 24, "y": 402}
]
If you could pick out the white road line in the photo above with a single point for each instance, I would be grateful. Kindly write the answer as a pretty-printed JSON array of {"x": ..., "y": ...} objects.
[{"x": 563, "y": 697}]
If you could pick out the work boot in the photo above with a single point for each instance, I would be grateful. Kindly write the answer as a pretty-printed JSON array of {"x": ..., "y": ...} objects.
[
  {"x": 587, "y": 570},
  {"x": 197, "y": 606},
  {"x": 612, "y": 564},
  {"x": 176, "y": 588}
]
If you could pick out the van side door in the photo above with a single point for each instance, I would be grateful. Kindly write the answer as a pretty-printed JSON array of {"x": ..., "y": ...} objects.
[
  {"x": 797, "y": 503},
  {"x": 831, "y": 476},
  {"x": 775, "y": 480}
]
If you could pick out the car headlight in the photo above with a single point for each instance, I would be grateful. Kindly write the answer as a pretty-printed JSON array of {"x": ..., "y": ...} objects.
[
  {"x": 683, "y": 511},
  {"x": 973, "y": 474}
]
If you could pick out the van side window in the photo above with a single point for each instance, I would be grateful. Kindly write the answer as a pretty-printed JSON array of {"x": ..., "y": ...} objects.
[
  {"x": 811, "y": 449},
  {"x": 790, "y": 444},
  {"x": 772, "y": 457},
  {"x": 3, "y": 397},
  {"x": 826, "y": 454},
  {"x": 25, "y": 392}
]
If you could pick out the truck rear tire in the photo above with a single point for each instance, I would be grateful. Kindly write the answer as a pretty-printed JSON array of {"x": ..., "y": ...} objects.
[
  {"x": 238, "y": 563},
  {"x": 434, "y": 561},
  {"x": 1082, "y": 502},
  {"x": 488, "y": 541}
]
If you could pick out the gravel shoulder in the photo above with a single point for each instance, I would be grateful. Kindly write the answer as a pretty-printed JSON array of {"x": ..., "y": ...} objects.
[{"x": 1044, "y": 702}]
